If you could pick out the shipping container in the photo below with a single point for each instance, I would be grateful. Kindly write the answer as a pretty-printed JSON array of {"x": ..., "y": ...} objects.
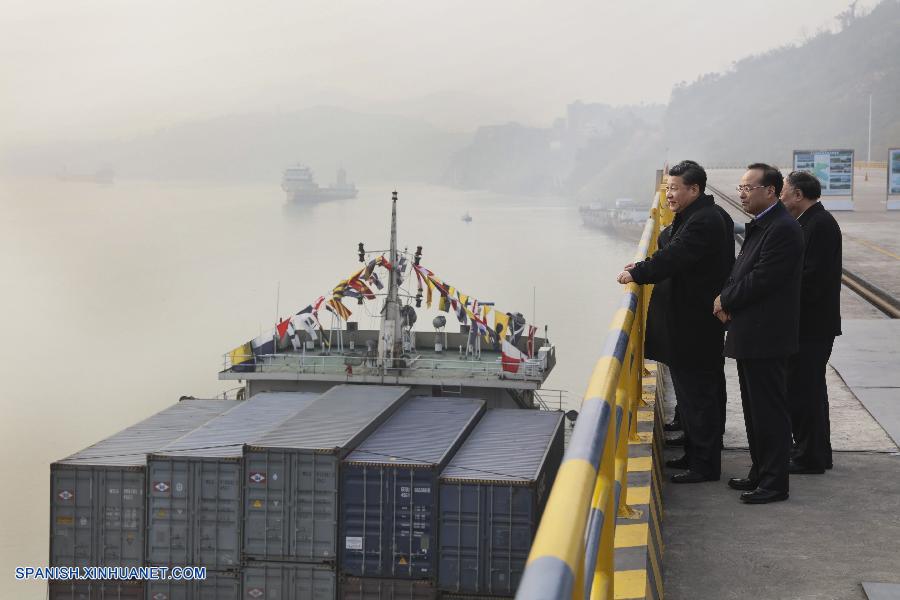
[
  {"x": 291, "y": 482},
  {"x": 389, "y": 488},
  {"x": 96, "y": 590},
  {"x": 371, "y": 588},
  {"x": 289, "y": 581},
  {"x": 98, "y": 495},
  {"x": 194, "y": 485},
  {"x": 492, "y": 495},
  {"x": 216, "y": 586}
]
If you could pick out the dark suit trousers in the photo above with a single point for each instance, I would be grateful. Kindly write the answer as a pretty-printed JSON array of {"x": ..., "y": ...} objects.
[
  {"x": 702, "y": 410},
  {"x": 808, "y": 402},
  {"x": 764, "y": 398}
]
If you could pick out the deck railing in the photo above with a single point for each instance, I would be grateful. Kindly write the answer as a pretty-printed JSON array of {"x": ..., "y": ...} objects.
[
  {"x": 573, "y": 552},
  {"x": 314, "y": 364}
]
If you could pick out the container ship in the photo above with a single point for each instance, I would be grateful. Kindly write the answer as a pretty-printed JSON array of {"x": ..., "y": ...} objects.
[
  {"x": 301, "y": 188},
  {"x": 351, "y": 464}
]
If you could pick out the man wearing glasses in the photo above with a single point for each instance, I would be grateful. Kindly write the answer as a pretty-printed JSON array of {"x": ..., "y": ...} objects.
[
  {"x": 820, "y": 322},
  {"x": 760, "y": 302},
  {"x": 689, "y": 269}
]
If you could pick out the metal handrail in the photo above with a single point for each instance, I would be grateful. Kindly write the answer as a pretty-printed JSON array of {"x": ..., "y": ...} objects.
[
  {"x": 333, "y": 363},
  {"x": 573, "y": 552}
]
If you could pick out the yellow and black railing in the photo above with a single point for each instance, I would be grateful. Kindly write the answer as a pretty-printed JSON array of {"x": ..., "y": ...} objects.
[{"x": 573, "y": 554}]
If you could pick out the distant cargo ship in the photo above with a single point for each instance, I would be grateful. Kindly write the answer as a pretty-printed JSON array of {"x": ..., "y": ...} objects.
[
  {"x": 300, "y": 186},
  {"x": 624, "y": 216}
]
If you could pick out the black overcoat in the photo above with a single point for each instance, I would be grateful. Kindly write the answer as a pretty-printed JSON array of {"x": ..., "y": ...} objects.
[
  {"x": 820, "y": 292},
  {"x": 762, "y": 294},
  {"x": 695, "y": 257}
]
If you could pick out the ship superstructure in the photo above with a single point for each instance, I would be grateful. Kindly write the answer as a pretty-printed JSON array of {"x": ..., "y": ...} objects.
[{"x": 493, "y": 355}]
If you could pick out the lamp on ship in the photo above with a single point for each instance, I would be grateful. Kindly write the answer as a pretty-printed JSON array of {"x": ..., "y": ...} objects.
[{"x": 440, "y": 333}]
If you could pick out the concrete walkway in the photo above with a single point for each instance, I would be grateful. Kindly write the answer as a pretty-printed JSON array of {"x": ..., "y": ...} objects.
[{"x": 835, "y": 532}]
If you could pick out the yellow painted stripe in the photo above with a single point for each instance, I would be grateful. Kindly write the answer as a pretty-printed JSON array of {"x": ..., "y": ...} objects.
[
  {"x": 649, "y": 380},
  {"x": 561, "y": 533},
  {"x": 643, "y": 437},
  {"x": 654, "y": 516},
  {"x": 639, "y": 495},
  {"x": 639, "y": 464},
  {"x": 650, "y": 366},
  {"x": 874, "y": 247},
  {"x": 630, "y": 536},
  {"x": 630, "y": 584},
  {"x": 654, "y": 564},
  {"x": 645, "y": 415}
]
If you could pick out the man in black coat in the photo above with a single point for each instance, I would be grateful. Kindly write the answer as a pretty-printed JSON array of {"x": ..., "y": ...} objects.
[
  {"x": 689, "y": 270},
  {"x": 761, "y": 304},
  {"x": 820, "y": 322}
]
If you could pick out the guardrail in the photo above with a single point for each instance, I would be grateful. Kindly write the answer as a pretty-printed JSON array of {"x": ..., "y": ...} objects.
[
  {"x": 573, "y": 552},
  {"x": 314, "y": 364}
]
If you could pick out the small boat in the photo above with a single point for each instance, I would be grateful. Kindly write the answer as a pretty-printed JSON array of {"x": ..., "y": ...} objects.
[{"x": 467, "y": 217}]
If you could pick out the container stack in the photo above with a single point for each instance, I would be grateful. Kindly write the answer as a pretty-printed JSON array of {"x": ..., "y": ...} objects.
[
  {"x": 194, "y": 507},
  {"x": 389, "y": 493},
  {"x": 98, "y": 498},
  {"x": 291, "y": 492},
  {"x": 492, "y": 495},
  {"x": 364, "y": 492}
]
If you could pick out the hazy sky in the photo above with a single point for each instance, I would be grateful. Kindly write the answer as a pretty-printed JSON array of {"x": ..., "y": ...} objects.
[{"x": 91, "y": 68}]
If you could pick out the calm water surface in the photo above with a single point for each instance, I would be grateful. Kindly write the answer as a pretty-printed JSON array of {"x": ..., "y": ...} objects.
[{"x": 119, "y": 299}]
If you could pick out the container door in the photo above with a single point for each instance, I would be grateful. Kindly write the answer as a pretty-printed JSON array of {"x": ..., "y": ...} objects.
[
  {"x": 63, "y": 590},
  {"x": 364, "y": 509},
  {"x": 121, "y": 512},
  {"x": 167, "y": 590},
  {"x": 275, "y": 581},
  {"x": 168, "y": 512},
  {"x": 72, "y": 516},
  {"x": 219, "y": 512},
  {"x": 365, "y": 588},
  {"x": 413, "y": 496},
  {"x": 461, "y": 526},
  {"x": 313, "y": 523},
  {"x": 265, "y": 502},
  {"x": 509, "y": 532},
  {"x": 217, "y": 586}
]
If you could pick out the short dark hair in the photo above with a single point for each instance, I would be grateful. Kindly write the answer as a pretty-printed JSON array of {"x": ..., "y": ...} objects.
[
  {"x": 691, "y": 173},
  {"x": 807, "y": 183},
  {"x": 771, "y": 176}
]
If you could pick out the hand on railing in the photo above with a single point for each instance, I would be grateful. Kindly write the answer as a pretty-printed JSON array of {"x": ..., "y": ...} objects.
[{"x": 624, "y": 277}]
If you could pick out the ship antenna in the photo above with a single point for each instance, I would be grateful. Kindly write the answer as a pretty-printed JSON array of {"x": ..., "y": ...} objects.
[{"x": 390, "y": 343}]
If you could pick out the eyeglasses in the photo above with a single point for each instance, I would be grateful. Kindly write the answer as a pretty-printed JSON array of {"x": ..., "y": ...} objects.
[{"x": 748, "y": 188}]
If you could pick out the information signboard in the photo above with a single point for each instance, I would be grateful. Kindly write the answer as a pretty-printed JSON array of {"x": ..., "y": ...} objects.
[
  {"x": 834, "y": 170},
  {"x": 893, "y": 179}
]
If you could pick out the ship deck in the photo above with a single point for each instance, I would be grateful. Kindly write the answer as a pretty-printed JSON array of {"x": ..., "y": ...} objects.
[{"x": 424, "y": 365}]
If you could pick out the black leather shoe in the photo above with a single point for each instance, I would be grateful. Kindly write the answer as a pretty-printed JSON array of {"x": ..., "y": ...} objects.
[
  {"x": 795, "y": 468},
  {"x": 741, "y": 483},
  {"x": 679, "y": 463},
  {"x": 675, "y": 441},
  {"x": 691, "y": 477},
  {"x": 675, "y": 425},
  {"x": 763, "y": 496},
  {"x": 829, "y": 466}
]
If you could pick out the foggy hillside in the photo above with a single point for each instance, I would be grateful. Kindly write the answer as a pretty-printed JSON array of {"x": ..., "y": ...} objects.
[
  {"x": 257, "y": 147},
  {"x": 815, "y": 96},
  {"x": 811, "y": 96}
]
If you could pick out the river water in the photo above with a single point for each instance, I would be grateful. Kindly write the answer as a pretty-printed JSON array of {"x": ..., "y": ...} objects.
[{"x": 119, "y": 299}]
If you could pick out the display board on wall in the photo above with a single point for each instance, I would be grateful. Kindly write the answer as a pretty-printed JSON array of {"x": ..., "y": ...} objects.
[
  {"x": 834, "y": 170},
  {"x": 893, "y": 179}
]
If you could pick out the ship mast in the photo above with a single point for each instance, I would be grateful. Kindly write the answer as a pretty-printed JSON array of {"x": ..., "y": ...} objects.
[{"x": 390, "y": 341}]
